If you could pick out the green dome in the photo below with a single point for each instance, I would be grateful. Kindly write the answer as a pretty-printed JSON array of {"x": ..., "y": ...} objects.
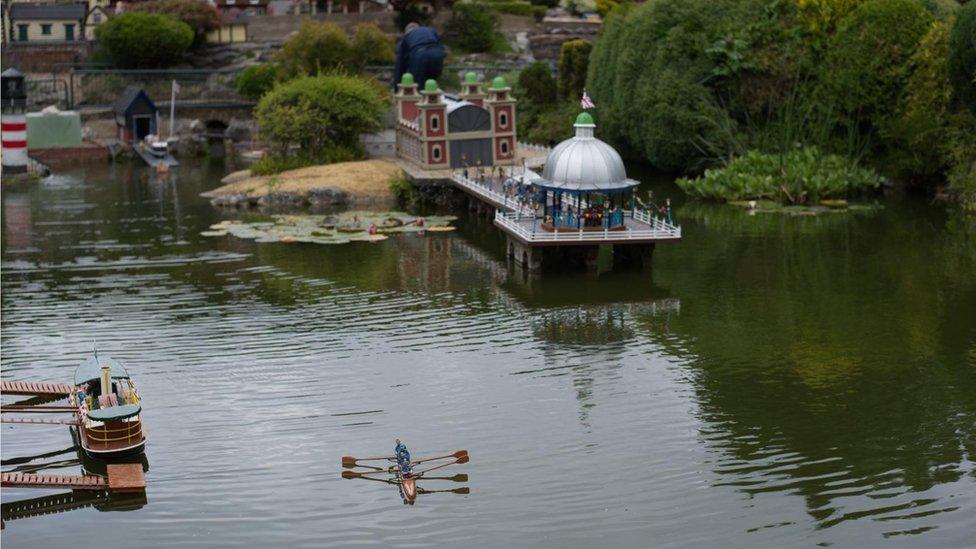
[
  {"x": 471, "y": 78},
  {"x": 499, "y": 83},
  {"x": 406, "y": 79},
  {"x": 430, "y": 85},
  {"x": 584, "y": 118}
]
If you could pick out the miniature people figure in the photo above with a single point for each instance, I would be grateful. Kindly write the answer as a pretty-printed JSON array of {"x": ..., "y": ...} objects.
[
  {"x": 420, "y": 53},
  {"x": 402, "y": 457},
  {"x": 372, "y": 228}
]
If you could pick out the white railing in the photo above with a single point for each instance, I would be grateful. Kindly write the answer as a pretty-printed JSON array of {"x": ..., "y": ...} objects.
[
  {"x": 533, "y": 147},
  {"x": 492, "y": 195},
  {"x": 657, "y": 230}
]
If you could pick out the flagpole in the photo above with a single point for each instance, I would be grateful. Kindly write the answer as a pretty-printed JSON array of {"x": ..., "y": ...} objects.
[{"x": 172, "y": 109}]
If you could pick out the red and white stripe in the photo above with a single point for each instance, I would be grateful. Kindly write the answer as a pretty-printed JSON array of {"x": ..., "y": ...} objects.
[
  {"x": 586, "y": 102},
  {"x": 14, "y": 141}
]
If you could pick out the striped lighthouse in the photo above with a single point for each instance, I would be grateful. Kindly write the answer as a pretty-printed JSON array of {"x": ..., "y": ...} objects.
[{"x": 13, "y": 122}]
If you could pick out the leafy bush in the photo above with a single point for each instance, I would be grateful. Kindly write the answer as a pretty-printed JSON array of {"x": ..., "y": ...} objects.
[
  {"x": 536, "y": 85},
  {"x": 574, "y": 58},
  {"x": 144, "y": 40},
  {"x": 798, "y": 177},
  {"x": 472, "y": 28},
  {"x": 371, "y": 46},
  {"x": 402, "y": 190},
  {"x": 914, "y": 135},
  {"x": 411, "y": 13},
  {"x": 579, "y": 7},
  {"x": 604, "y": 7},
  {"x": 962, "y": 56},
  {"x": 513, "y": 7},
  {"x": 545, "y": 3},
  {"x": 318, "y": 47},
  {"x": 549, "y": 126},
  {"x": 320, "y": 113},
  {"x": 942, "y": 10},
  {"x": 256, "y": 80},
  {"x": 822, "y": 16},
  {"x": 199, "y": 14},
  {"x": 960, "y": 153},
  {"x": 867, "y": 59}
]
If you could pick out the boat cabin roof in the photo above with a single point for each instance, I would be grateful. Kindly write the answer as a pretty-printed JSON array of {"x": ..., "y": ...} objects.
[
  {"x": 91, "y": 370},
  {"x": 115, "y": 413}
]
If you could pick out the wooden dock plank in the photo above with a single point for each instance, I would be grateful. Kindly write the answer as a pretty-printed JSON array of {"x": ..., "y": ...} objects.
[
  {"x": 75, "y": 482},
  {"x": 126, "y": 477},
  {"x": 39, "y": 420},
  {"x": 35, "y": 388}
]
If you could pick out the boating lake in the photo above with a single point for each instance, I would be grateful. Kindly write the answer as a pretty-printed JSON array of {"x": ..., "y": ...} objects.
[{"x": 772, "y": 381}]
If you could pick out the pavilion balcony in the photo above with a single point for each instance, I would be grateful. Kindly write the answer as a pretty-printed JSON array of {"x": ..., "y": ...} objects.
[{"x": 638, "y": 227}]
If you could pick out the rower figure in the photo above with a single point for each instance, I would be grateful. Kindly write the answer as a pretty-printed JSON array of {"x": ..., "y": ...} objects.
[{"x": 402, "y": 457}]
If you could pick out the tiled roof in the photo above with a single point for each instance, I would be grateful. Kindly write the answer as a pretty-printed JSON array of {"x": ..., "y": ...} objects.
[{"x": 58, "y": 11}]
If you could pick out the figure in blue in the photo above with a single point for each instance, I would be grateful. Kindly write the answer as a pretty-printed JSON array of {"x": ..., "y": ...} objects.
[
  {"x": 402, "y": 457},
  {"x": 420, "y": 53}
]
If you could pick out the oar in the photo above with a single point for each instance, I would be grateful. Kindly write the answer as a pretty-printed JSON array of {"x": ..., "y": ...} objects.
[
  {"x": 460, "y": 477},
  {"x": 356, "y": 474},
  {"x": 462, "y": 459},
  {"x": 462, "y": 490},
  {"x": 456, "y": 455},
  {"x": 350, "y": 461}
]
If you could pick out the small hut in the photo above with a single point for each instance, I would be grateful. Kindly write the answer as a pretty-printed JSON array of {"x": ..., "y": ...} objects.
[{"x": 136, "y": 115}]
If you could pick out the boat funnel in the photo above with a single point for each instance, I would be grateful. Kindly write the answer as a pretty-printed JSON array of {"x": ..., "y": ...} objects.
[{"x": 106, "y": 380}]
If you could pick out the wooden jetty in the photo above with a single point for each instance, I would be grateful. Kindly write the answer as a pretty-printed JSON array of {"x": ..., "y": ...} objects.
[
  {"x": 31, "y": 388},
  {"x": 122, "y": 477}
]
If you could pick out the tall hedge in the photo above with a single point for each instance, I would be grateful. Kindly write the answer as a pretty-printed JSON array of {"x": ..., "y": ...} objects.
[
  {"x": 473, "y": 28},
  {"x": 371, "y": 46},
  {"x": 199, "y": 14},
  {"x": 144, "y": 40},
  {"x": 867, "y": 61},
  {"x": 537, "y": 86},
  {"x": 962, "y": 56},
  {"x": 574, "y": 59}
]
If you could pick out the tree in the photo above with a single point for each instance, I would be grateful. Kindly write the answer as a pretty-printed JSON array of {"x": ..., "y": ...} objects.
[
  {"x": 962, "y": 56},
  {"x": 321, "y": 113},
  {"x": 199, "y": 14},
  {"x": 318, "y": 47},
  {"x": 574, "y": 59},
  {"x": 371, "y": 46},
  {"x": 144, "y": 40},
  {"x": 256, "y": 80},
  {"x": 473, "y": 28},
  {"x": 537, "y": 86}
]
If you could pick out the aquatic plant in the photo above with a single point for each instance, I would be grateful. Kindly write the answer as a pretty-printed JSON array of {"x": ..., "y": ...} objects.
[
  {"x": 342, "y": 228},
  {"x": 798, "y": 177}
]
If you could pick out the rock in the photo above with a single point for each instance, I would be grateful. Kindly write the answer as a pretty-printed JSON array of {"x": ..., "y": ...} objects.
[
  {"x": 235, "y": 200},
  {"x": 281, "y": 199},
  {"x": 327, "y": 197}
]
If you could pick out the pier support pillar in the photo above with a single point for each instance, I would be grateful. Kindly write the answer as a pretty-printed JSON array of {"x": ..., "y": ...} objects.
[
  {"x": 525, "y": 256},
  {"x": 633, "y": 255}
]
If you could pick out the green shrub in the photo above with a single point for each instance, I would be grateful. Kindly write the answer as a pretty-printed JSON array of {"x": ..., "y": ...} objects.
[
  {"x": 318, "y": 47},
  {"x": 579, "y": 7},
  {"x": 199, "y": 14},
  {"x": 371, "y": 46},
  {"x": 942, "y": 10},
  {"x": 536, "y": 85},
  {"x": 144, "y": 40},
  {"x": 798, "y": 177},
  {"x": 604, "y": 7},
  {"x": 914, "y": 136},
  {"x": 411, "y": 13},
  {"x": 256, "y": 80},
  {"x": 320, "y": 113},
  {"x": 574, "y": 58},
  {"x": 549, "y": 126},
  {"x": 962, "y": 56},
  {"x": 867, "y": 59},
  {"x": 472, "y": 28},
  {"x": 960, "y": 153},
  {"x": 545, "y": 3},
  {"x": 402, "y": 190}
]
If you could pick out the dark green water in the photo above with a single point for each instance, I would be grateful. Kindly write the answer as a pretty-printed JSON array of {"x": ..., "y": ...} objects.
[{"x": 772, "y": 382}]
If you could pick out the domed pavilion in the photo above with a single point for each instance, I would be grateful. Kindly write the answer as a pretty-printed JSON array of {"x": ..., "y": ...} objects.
[{"x": 584, "y": 185}]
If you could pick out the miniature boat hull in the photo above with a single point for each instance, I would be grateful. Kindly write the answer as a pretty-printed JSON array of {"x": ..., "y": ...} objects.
[
  {"x": 409, "y": 486},
  {"x": 108, "y": 410}
]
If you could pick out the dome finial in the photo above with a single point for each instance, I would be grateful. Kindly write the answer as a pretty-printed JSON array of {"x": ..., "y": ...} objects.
[{"x": 584, "y": 118}]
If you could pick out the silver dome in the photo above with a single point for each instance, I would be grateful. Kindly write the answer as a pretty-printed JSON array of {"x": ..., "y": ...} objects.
[{"x": 584, "y": 163}]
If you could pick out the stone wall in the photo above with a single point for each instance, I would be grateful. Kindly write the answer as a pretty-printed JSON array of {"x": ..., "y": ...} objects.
[
  {"x": 547, "y": 41},
  {"x": 33, "y": 57}
]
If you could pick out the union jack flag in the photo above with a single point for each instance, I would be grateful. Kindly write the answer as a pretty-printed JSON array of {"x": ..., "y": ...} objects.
[{"x": 586, "y": 102}]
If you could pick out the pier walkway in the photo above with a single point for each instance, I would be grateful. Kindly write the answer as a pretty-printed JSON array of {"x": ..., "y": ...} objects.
[{"x": 32, "y": 388}]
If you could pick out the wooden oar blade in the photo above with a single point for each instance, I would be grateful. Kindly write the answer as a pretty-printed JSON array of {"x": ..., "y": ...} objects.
[
  {"x": 350, "y": 461},
  {"x": 462, "y": 459},
  {"x": 462, "y": 490},
  {"x": 350, "y": 474}
]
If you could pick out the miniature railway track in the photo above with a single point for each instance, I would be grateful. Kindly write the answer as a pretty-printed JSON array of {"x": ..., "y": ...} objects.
[{"x": 32, "y": 388}]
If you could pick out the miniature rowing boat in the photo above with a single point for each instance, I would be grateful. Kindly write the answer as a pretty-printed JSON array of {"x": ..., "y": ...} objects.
[
  {"x": 108, "y": 409},
  {"x": 403, "y": 473}
]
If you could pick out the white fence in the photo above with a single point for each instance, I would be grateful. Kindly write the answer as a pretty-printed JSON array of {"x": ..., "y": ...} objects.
[
  {"x": 658, "y": 229},
  {"x": 491, "y": 195}
]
